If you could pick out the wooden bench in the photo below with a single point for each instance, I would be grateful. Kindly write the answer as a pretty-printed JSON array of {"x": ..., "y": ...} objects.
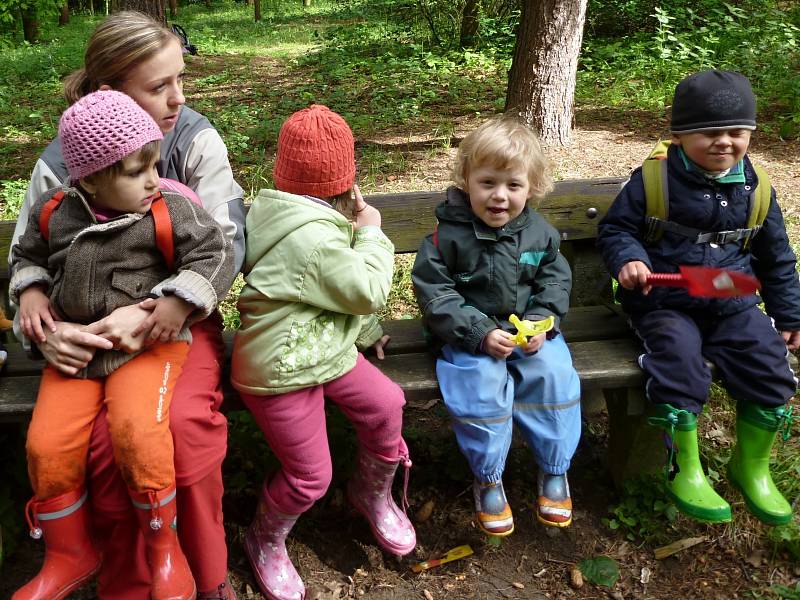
[{"x": 603, "y": 349}]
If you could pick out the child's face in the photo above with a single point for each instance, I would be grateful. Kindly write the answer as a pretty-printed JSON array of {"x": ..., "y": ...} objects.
[
  {"x": 497, "y": 196},
  {"x": 714, "y": 150},
  {"x": 131, "y": 191}
]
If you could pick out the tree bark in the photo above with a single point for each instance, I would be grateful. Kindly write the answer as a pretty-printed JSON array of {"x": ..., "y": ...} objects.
[
  {"x": 30, "y": 24},
  {"x": 541, "y": 82},
  {"x": 173, "y": 9},
  {"x": 63, "y": 16},
  {"x": 154, "y": 8},
  {"x": 469, "y": 23},
  {"x": 306, "y": 2},
  {"x": 257, "y": 10}
]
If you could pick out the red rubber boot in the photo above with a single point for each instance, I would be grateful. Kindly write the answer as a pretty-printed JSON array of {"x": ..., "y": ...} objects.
[
  {"x": 70, "y": 558},
  {"x": 172, "y": 578}
]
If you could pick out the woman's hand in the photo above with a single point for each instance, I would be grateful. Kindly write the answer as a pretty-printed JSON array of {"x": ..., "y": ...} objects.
[
  {"x": 70, "y": 347},
  {"x": 119, "y": 327},
  {"x": 499, "y": 344},
  {"x": 365, "y": 214}
]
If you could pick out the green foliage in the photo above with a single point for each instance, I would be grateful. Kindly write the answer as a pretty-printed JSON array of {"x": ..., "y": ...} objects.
[
  {"x": 12, "y": 192},
  {"x": 641, "y": 70},
  {"x": 600, "y": 570},
  {"x": 643, "y": 513}
]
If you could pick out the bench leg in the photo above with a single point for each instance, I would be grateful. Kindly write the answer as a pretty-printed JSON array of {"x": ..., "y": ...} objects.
[{"x": 634, "y": 447}]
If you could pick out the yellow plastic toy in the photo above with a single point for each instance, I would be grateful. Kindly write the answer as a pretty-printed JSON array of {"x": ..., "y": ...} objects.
[{"x": 528, "y": 328}]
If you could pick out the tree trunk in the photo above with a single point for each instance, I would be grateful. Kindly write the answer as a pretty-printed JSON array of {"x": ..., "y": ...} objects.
[
  {"x": 306, "y": 2},
  {"x": 63, "y": 16},
  {"x": 173, "y": 9},
  {"x": 30, "y": 24},
  {"x": 469, "y": 23},
  {"x": 154, "y": 8},
  {"x": 541, "y": 82},
  {"x": 257, "y": 10}
]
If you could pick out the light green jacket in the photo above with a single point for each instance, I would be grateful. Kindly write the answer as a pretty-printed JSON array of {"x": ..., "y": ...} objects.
[{"x": 312, "y": 286}]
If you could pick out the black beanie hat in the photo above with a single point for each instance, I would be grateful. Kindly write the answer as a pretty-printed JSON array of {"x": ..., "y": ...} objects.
[{"x": 713, "y": 100}]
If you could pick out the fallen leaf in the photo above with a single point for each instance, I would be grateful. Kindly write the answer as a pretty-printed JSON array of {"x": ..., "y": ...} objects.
[
  {"x": 575, "y": 577},
  {"x": 645, "y": 576},
  {"x": 755, "y": 559},
  {"x": 540, "y": 573},
  {"x": 675, "y": 547},
  {"x": 518, "y": 585},
  {"x": 425, "y": 512},
  {"x": 427, "y": 594}
]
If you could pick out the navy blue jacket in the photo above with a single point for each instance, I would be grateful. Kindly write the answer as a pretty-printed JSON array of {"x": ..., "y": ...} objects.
[
  {"x": 704, "y": 204},
  {"x": 469, "y": 277}
]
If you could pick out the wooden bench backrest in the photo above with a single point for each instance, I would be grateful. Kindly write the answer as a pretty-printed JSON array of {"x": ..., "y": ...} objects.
[{"x": 574, "y": 207}]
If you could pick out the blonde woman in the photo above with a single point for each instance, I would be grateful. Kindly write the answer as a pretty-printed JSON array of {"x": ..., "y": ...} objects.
[{"x": 132, "y": 53}]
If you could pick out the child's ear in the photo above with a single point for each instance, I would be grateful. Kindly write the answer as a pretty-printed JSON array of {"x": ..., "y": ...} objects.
[
  {"x": 676, "y": 140},
  {"x": 88, "y": 184}
]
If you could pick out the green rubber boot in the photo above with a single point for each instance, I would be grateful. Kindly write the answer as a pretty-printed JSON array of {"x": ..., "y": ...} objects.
[
  {"x": 748, "y": 468},
  {"x": 686, "y": 483}
]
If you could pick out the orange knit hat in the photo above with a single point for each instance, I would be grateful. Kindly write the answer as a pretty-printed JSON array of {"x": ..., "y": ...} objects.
[{"x": 316, "y": 155}]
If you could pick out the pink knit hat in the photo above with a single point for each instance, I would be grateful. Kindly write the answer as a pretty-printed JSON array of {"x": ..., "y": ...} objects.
[
  {"x": 102, "y": 128},
  {"x": 316, "y": 155}
]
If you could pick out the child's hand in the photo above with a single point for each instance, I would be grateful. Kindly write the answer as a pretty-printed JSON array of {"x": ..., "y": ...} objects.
[
  {"x": 380, "y": 345},
  {"x": 365, "y": 214},
  {"x": 167, "y": 319},
  {"x": 634, "y": 274},
  {"x": 499, "y": 343},
  {"x": 534, "y": 343},
  {"x": 34, "y": 309},
  {"x": 792, "y": 339}
]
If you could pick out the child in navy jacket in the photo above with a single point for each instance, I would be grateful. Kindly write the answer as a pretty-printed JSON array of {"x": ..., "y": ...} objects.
[{"x": 711, "y": 184}]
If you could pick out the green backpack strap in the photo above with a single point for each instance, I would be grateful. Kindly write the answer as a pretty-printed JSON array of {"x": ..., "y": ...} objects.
[
  {"x": 759, "y": 203},
  {"x": 656, "y": 190}
]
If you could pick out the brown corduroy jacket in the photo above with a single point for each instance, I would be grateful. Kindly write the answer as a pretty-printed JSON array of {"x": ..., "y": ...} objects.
[{"x": 91, "y": 268}]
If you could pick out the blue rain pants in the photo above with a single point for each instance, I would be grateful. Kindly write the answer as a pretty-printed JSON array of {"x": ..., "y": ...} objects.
[{"x": 540, "y": 392}]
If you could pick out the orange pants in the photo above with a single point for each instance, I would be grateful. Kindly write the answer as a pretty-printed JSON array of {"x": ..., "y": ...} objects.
[{"x": 137, "y": 397}]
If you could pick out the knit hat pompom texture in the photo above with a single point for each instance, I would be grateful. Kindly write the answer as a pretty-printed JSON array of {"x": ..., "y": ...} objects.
[
  {"x": 713, "y": 100},
  {"x": 316, "y": 155},
  {"x": 102, "y": 128}
]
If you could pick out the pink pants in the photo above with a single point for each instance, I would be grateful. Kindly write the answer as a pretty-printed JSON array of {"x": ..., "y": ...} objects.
[
  {"x": 294, "y": 425},
  {"x": 200, "y": 435}
]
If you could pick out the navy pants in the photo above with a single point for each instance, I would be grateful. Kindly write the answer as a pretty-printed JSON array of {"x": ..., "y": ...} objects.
[{"x": 747, "y": 350}]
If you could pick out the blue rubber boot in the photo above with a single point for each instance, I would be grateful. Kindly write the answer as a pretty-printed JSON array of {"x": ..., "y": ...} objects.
[{"x": 492, "y": 511}]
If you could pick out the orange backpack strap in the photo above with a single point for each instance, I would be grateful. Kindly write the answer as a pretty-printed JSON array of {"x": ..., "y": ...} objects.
[
  {"x": 163, "y": 225},
  {"x": 47, "y": 212}
]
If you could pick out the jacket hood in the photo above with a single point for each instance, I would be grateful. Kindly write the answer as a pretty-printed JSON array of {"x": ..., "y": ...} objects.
[{"x": 274, "y": 215}]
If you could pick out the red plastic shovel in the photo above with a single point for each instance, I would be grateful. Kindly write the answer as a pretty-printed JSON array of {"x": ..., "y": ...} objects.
[{"x": 708, "y": 282}]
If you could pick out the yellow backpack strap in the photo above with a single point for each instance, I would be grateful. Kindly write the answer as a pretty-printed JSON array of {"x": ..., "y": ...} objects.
[
  {"x": 656, "y": 190},
  {"x": 759, "y": 203}
]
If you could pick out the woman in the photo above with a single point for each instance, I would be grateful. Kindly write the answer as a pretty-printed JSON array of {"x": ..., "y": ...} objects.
[{"x": 132, "y": 53}]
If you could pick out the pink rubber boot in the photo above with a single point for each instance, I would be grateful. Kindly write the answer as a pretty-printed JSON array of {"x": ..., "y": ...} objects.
[
  {"x": 265, "y": 545},
  {"x": 370, "y": 492}
]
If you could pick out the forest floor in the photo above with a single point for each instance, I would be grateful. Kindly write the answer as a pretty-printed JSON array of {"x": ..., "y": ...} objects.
[{"x": 333, "y": 549}]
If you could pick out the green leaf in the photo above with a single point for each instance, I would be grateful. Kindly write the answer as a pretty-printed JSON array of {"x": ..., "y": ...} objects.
[{"x": 600, "y": 570}]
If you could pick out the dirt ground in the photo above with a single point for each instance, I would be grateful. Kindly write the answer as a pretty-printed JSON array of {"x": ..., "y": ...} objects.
[{"x": 333, "y": 549}]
